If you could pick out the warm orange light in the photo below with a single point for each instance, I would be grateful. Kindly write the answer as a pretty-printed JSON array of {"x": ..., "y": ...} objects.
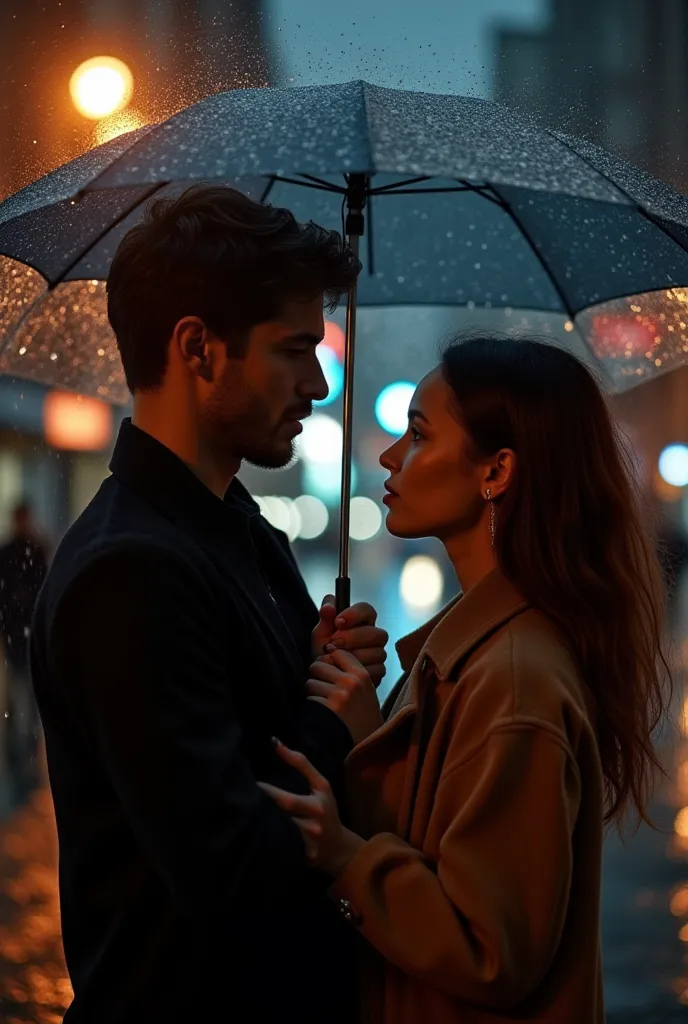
[
  {"x": 681, "y": 823},
  {"x": 679, "y": 902},
  {"x": 76, "y": 423},
  {"x": 335, "y": 339},
  {"x": 101, "y": 86}
]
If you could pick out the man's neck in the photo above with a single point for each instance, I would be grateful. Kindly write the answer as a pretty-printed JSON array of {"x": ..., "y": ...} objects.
[{"x": 184, "y": 441}]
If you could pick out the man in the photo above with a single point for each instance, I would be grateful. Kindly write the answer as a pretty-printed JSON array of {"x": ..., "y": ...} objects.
[
  {"x": 23, "y": 565},
  {"x": 174, "y": 634}
]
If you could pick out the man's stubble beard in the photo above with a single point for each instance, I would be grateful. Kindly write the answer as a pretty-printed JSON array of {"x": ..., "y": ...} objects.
[{"x": 238, "y": 423}]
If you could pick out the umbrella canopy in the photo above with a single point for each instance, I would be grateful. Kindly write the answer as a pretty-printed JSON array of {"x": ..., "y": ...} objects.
[{"x": 467, "y": 203}]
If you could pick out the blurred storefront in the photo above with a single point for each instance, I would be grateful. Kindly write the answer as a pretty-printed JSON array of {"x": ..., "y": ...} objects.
[{"x": 54, "y": 452}]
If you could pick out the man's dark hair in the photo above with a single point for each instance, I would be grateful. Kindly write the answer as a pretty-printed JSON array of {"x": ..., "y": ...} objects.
[{"x": 215, "y": 254}]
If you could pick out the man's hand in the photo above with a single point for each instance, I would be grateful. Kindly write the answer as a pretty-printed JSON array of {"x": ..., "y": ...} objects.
[
  {"x": 345, "y": 687},
  {"x": 353, "y": 630}
]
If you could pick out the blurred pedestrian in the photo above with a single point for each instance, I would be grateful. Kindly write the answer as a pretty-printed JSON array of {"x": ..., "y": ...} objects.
[
  {"x": 471, "y": 866},
  {"x": 174, "y": 636},
  {"x": 23, "y": 565}
]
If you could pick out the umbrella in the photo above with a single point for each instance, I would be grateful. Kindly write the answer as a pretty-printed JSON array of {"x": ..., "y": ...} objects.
[{"x": 458, "y": 202}]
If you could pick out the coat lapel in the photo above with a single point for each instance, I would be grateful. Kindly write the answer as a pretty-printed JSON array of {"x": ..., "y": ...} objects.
[{"x": 440, "y": 644}]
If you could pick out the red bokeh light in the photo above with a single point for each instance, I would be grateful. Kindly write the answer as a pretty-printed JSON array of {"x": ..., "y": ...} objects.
[
  {"x": 628, "y": 337},
  {"x": 334, "y": 339}
]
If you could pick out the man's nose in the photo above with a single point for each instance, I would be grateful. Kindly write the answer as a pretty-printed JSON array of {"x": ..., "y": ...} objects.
[{"x": 316, "y": 387}]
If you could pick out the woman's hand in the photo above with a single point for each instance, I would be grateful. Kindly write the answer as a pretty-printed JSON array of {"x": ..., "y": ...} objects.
[
  {"x": 353, "y": 630},
  {"x": 329, "y": 846},
  {"x": 344, "y": 685}
]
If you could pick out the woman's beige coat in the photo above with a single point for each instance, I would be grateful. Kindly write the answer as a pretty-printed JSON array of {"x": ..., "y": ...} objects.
[{"x": 481, "y": 799}]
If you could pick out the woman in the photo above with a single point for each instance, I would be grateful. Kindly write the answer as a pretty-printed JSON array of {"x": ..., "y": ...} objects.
[{"x": 472, "y": 863}]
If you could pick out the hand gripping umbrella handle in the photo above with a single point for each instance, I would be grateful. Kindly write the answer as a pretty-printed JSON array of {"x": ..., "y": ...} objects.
[{"x": 356, "y": 198}]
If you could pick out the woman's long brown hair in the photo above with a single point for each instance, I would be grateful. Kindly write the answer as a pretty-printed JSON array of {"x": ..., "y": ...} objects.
[{"x": 570, "y": 535}]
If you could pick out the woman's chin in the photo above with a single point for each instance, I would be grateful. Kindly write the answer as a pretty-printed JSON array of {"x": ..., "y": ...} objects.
[{"x": 404, "y": 531}]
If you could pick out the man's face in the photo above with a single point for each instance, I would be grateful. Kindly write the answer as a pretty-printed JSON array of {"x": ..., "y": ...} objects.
[{"x": 253, "y": 410}]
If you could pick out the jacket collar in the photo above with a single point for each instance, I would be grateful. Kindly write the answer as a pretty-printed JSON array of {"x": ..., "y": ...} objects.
[
  {"x": 161, "y": 477},
  {"x": 462, "y": 624},
  {"x": 445, "y": 640}
]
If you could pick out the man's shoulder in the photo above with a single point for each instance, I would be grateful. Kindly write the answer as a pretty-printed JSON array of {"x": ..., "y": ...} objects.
[{"x": 116, "y": 532}]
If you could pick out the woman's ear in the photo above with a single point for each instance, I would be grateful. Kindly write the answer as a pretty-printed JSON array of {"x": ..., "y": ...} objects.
[{"x": 501, "y": 472}]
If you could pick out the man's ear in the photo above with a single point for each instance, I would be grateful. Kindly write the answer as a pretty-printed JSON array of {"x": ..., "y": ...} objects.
[{"x": 192, "y": 341}]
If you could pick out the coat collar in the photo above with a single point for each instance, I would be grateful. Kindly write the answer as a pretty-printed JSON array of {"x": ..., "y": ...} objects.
[
  {"x": 161, "y": 477},
  {"x": 462, "y": 624},
  {"x": 445, "y": 640}
]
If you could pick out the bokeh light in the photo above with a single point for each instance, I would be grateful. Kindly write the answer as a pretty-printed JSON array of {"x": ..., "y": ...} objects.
[
  {"x": 334, "y": 339},
  {"x": 681, "y": 823},
  {"x": 421, "y": 583},
  {"x": 101, "y": 86},
  {"x": 325, "y": 481},
  {"x": 314, "y": 516},
  {"x": 365, "y": 519},
  {"x": 392, "y": 405},
  {"x": 334, "y": 374},
  {"x": 673, "y": 465},
  {"x": 321, "y": 440}
]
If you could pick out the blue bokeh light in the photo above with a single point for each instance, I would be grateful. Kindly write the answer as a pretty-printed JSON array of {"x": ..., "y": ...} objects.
[
  {"x": 391, "y": 407},
  {"x": 334, "y": 374}
]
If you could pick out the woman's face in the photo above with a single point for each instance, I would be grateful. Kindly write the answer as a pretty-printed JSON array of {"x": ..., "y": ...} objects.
[{"x": 435, "y": 489}]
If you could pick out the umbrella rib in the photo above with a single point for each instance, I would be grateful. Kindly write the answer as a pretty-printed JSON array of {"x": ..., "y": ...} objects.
[
  {"x": 568, "y": 309},
  {"x": 421, "y": 191},
  {"x": 325, "y": 184},
  {"x": 267, "y": 190},
  {"x": 397, "y": 185},
  {"x": 308, "y": 184},
  {"x": 113, "y": 224}
]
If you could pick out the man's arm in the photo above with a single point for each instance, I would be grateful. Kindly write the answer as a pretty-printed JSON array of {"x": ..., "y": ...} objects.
[{"x": 139, "y": 640}]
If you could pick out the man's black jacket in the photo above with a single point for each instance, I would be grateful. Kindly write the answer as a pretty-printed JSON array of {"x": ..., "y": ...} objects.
[{"x": 171, "y": 641}]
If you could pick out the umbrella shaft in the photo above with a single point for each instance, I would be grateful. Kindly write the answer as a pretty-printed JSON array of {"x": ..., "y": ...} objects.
[{"x": 347, "y": 424}]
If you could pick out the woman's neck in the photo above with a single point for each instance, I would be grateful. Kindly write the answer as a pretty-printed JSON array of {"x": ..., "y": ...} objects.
[{"x": 473, "y": 558}]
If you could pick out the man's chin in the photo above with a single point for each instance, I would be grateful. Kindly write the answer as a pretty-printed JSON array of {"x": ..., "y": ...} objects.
[{"x": 278, "y": 456}]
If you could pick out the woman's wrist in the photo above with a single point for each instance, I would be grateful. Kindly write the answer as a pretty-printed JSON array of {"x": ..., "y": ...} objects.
[{"x": 348, "y": 848}]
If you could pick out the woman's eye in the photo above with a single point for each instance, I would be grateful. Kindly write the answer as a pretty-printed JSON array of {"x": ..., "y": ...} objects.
[{"x": 415, "y": 435}]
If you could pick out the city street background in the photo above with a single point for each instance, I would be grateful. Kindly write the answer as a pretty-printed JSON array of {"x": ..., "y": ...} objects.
[{"x": 612, "y": 71}]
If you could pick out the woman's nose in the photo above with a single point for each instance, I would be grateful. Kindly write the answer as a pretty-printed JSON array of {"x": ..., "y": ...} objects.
[{"x": 386, "y": 460}]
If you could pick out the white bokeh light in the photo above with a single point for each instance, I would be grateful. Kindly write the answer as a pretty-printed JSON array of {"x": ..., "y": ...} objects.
[
  {"x": 673, "y": 465},
  {"x": 421, "y": 583},
  {"x": 314, "y": 516},
  {"x": 365, "y": 519},
  {"x": 321, "y": 440},
  {"x": 391, "y": 407},
  {"x": 282, "y": 513}
]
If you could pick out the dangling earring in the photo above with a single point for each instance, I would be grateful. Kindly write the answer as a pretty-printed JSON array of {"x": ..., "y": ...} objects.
[{"x": 488, "y": 496}]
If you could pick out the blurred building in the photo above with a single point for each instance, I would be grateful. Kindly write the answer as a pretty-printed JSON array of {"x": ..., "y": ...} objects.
[
  {"x": 178, "y": 51},
  {"x": 612, "y": 71}
]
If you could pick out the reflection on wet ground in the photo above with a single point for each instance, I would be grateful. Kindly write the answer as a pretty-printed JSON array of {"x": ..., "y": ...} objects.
[
  {"x": 33, "y": 980},
  {"x": 644, "y": 916}
]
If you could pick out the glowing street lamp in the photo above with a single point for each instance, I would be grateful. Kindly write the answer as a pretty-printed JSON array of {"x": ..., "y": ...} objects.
[{"x": 101, "y": 86}]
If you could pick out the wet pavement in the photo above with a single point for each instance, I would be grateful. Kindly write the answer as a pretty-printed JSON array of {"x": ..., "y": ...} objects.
[{"x": 644, "y": 920}]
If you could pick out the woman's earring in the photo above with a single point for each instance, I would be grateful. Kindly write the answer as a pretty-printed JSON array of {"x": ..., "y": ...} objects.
[{"x": 488, "y": 495}]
